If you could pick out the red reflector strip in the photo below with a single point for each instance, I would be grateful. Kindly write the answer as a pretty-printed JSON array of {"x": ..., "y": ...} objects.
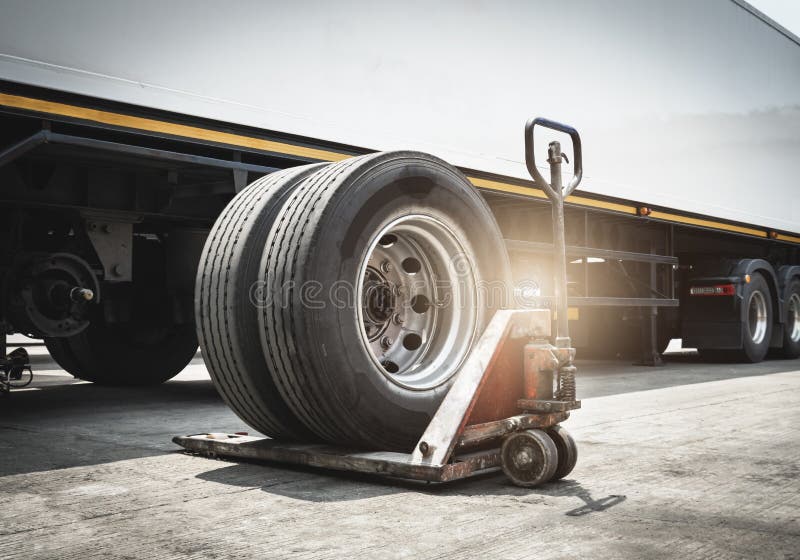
[{"x": 720, "y": 290}]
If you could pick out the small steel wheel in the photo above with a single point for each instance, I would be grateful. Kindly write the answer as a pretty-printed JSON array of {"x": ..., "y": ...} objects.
[
  {"x": 529, "y": 458},
  {"x": 567, "y": 451}
]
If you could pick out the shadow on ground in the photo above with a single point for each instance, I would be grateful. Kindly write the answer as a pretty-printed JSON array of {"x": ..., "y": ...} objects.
[
  {"x": 321, "y": 485},
  {"x": 61, "y": 423}
]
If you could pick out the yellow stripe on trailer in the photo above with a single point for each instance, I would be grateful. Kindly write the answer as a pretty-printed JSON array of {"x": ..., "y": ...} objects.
[
  {"x": 790, "y": 238},
  {"x": 285, "y": 148},
  {"x": 706, "y": 223},
  {"x": 164, "y": 127},
  {"x": 506, "y": 187}
]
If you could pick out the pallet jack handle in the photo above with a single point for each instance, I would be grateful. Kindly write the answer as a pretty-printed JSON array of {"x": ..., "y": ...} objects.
[
  {"x": 553, "y": 193},
  {"x": 556, "y": 192}
]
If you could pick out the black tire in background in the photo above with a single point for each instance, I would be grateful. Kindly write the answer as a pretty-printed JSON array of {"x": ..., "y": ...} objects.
[
  {"x": 227, "y": 296},
  {"x": 62, "y": 354},
  {"x": 757, "y": 333},
  {"x": 316, "y": 353},
  {"x": 132, "y": 354},
  {"x": 791, "y": 330},
  {"x": 146, "y": 350}
]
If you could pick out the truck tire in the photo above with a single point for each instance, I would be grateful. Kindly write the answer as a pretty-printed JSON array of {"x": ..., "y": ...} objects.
[
  {"x": 375, "y": 267},
  {"x": 128, "y": 354},
  {"x": 757, "y": 327},
  {"x": 225, "y": 310},
  {"x": 62, "y": 354},
  {"x": 146, "y": 349},
  {"x": 791, "y": 330}
]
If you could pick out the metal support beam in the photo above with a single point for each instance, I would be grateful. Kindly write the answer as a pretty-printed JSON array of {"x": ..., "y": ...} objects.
[
  {"x": 46, "y": 137},
  {"x": 22, "y": 147},
  {"x": 572, "y": 251},
  {"x": 599, "y": 301},
  {"x": 112, "y": 240},
  {"x": 651, "y": 353}
]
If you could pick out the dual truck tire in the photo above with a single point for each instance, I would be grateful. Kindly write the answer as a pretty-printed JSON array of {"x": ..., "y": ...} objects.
[{"x": 335, "y": 302}]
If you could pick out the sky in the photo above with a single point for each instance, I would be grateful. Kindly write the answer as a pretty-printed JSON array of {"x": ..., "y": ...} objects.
[{"x": 785, "y": 12}]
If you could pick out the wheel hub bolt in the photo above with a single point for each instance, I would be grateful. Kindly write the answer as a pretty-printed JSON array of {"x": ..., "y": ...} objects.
[
  {"x": 386, "y": 267},
  {"x": 386, "y": 342},
  {"x": 523, "y": 458},
  {"x": 397, "y": 319},
  {"x": 81, "y": 294}
]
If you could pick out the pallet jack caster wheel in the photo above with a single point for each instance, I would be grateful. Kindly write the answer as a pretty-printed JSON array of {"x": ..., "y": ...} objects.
[
  {"x": 567, "y": 451},
  {"x": 529, "y": 458}
]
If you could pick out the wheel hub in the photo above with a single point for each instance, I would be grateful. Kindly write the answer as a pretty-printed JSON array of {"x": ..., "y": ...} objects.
[
  {"x": 793, "y": 325},
  {"x": 418, "y": 301},
  {"x": 379, "y": 299},
  {"x": 757, "y": 317},
  {"x": 529, "y": 458},
  {"x": 50, "y": 294},
  {"x": 524, "y": 457}
]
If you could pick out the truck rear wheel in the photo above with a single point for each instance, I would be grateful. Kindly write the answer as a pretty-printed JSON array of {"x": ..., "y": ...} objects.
[
  {"x": 382, "y": 272},
  {"x": 125, "y": 355},
  {"x": 143, "y": 346},
  {"x": 791, "y": 327},
  {"x": 62, "y": 354},
  {"x": 758, "y": 319},
  {"x": 756, "y": 325}
]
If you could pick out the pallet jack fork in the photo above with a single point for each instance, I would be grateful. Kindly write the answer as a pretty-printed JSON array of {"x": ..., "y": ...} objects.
[{"x": 506, "y": 402}]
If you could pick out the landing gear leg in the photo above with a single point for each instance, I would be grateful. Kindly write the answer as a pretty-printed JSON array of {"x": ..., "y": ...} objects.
[{"x": 651, "y": 353}]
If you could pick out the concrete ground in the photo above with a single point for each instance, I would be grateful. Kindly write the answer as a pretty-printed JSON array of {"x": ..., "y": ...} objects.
[{"x": 691, "y": 460}]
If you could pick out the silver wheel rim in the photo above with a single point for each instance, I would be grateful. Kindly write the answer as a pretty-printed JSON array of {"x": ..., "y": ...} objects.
[
  {"x": 793, "y": 322},
  {"x": 417, "y": 302},
  {"x": 757, "y": 317}
]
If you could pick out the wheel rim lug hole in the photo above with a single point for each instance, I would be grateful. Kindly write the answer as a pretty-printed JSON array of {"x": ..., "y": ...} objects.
[
  {"x": 411, "y": 265},
  {"x": 412, "y": 341},
  {"x": 420, "y": 304},
  {"x": 391, "y": 367},
  {"x": 387, "y": 240}
]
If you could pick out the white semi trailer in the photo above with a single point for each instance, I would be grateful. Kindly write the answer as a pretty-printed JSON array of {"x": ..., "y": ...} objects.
[{"x": 128, "y": 128}]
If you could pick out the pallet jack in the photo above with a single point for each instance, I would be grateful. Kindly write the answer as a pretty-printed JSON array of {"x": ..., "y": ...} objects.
[{"x": 506, "y": 403}]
